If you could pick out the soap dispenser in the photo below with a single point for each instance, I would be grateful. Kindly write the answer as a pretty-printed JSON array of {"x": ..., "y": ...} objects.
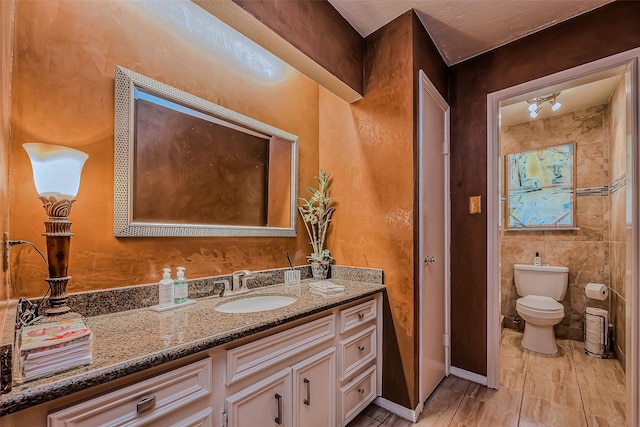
[
  {"x": 165, "y": 290},
  {"x": 181, "y": 287},
  {"x": 537, "y": 260}
]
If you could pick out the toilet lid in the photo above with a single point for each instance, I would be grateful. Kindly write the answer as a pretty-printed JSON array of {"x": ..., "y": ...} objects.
[{"x": 540, "y": 303}]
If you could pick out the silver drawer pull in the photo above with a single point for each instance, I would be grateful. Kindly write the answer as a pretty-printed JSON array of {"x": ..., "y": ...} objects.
[
  {"x": 361, "y": 390},
  {"x": 145, "y": 404},
  {"x": 361, "y": 347},
  {"x": 360, "y": 316},
  {"x": 307, "y": 401}
]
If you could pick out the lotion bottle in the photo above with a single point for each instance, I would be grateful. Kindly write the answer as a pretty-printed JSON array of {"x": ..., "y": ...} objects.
[
  {"x": 181, "y": 287},
  {"x": 537, "y": 260},
  {"x": 165, "y": 290}
]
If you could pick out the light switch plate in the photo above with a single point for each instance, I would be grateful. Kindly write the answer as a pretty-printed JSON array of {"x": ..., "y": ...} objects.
[{"x": 474, "y": 204}]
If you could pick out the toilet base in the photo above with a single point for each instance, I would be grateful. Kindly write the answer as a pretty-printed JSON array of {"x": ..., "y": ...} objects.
[{"x": 540, "y": 339}]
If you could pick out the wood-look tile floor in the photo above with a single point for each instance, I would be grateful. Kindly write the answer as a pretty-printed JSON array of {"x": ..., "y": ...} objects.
[{"x": 568, "y": 389}]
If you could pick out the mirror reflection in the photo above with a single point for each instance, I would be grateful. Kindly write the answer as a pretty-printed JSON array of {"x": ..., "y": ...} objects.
[{"x": 196, "y": 168}]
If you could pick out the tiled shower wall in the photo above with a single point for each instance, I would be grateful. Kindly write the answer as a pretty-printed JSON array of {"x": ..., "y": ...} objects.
[
  {"x": 592, "y": 252},
  {"x": 618, "y": 121}
]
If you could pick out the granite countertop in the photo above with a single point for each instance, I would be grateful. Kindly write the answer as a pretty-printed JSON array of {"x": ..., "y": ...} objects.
[{"x": 135, "y": 340}]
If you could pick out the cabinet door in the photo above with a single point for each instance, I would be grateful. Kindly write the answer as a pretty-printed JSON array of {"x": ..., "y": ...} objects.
[
  {"x": 314, "y": 391},
  {"x": 267, "y": 403}
]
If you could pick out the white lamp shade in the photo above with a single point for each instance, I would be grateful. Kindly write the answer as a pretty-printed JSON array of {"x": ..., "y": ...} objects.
[{"x": 56, "y": 169}]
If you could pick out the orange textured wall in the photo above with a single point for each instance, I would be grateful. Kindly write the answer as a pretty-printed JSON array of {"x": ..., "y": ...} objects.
[
  {"x": 6, "y": 32},
  {"x": 63, "y": 92},
  {"x": 373, "y": 185}
]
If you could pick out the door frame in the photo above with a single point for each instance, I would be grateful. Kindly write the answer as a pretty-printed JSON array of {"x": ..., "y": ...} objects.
[
  {"x": 428, "y": 89},
  {"x": 631, "y": 58}
]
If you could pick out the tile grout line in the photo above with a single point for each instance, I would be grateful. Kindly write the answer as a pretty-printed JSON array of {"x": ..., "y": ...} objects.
[
  {"x": 524, "y": 384},
  {"x": 459, "y": 404},
  {"x": 584, "y": 409}
]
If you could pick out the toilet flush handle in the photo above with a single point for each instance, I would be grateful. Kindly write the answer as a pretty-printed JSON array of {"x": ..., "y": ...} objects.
[{"x": 429, "y": 260}]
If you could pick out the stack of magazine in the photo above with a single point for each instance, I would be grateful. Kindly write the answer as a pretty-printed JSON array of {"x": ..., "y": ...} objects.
[{"x": 51, "y": 347}]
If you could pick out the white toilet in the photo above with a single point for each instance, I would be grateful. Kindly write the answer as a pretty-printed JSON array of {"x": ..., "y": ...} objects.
[{"x": 541, "y": 287}]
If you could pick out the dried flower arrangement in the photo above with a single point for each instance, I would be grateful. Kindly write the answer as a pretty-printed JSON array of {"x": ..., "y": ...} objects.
[{"x": 316, "y": 215}]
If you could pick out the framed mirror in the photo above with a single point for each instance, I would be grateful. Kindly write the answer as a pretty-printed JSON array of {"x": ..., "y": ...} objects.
[
  {"x": 185, "y": 166},
  {"x": 541, "y": 189}
]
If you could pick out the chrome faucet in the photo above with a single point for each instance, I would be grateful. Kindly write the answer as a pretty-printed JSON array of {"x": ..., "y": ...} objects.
[{"x": 238, "y": 283}]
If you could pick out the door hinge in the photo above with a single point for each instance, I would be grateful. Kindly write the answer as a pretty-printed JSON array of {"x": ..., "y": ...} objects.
[
  {"x": 445, "y": 147},
  {"x": 225, "y": 419},
  {"x": 445, "y": 340}
]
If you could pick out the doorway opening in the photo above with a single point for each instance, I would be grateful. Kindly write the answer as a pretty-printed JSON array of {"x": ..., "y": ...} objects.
[{"x": 562, "y": 185}]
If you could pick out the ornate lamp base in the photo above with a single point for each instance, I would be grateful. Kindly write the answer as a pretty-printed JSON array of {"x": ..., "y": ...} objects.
[
  {"x": 58, "y": 234},
  {"x": 58, "y": 297}
]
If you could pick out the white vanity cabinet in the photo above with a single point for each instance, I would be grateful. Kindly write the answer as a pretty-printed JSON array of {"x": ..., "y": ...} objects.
[
  {"x": 319, "y": 374},
  {"x": 359, "y": 358},
  {"x": 303, "y": 395},
  {"x": 320, "y": 370}
]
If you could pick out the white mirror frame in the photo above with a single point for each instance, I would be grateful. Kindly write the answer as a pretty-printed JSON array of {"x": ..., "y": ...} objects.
[{"x": 125, "y": 82}]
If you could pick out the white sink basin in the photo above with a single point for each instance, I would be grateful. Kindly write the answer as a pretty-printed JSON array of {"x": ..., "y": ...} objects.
[{"x": 255, "y": 304}]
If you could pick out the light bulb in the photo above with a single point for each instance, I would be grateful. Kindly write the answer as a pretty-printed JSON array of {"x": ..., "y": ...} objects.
[
  {"x": 533, "y": 107},
  {"x": 533, "y": 114},
  {"x": 556, "y": 106}
]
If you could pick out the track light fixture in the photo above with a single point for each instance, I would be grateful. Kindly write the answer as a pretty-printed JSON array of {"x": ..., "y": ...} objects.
[{"x": 536, "y": 104}]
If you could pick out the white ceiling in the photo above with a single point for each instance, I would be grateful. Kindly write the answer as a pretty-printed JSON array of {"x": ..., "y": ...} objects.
[{"x": 462, "y": 29}]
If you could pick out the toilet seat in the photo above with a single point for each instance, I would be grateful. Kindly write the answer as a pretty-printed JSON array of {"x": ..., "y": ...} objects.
[
  {"x": 540, "y": 307},
  {"x": 540, "y": 303}
]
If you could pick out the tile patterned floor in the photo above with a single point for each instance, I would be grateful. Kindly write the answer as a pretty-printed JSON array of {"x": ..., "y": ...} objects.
[{"x": 569, "y": 389}]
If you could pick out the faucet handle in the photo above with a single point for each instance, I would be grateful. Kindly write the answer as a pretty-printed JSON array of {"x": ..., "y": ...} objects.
[
  {"x": 227, "y": 286},
  {"x": 245, "y": 279}
]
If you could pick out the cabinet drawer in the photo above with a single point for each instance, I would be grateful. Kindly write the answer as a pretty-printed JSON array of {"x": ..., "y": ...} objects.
[
  {"x": 258, "y": 355},
  {"x": 142, "y": 403},
  {"x": 356, "y": 395},
  {"x": 357, "y": 351},
  {"x": 357, "y": 315}
]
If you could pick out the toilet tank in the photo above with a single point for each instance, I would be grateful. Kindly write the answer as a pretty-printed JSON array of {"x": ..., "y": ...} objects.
[{"x": 545, "y": 280}]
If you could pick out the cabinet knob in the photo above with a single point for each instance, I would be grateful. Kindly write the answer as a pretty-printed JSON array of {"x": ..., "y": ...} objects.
[
  {"x": 145, "y": 404},
  {"x": 361, "y": 347},
  {"x": 360, "y": 316},
  {"x": 361, "y": 390}
]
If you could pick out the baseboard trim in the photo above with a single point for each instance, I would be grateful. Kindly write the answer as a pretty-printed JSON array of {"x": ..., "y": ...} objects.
[
  {"x": 466, "y": 375},
  {"x": 399, "y": 410}
]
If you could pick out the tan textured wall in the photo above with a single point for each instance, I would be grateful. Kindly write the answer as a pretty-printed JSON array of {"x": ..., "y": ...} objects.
[
  {"x": 585, "y": 251},
  {"x": 6, "y": 45},
  {"x": 620, "y": 228},
  {"x": 63, "y": 92},
  {"x": 368, "y": 146}
]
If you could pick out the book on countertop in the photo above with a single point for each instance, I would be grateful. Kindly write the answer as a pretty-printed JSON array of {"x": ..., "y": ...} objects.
[{"x": 51, "y": 347}]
